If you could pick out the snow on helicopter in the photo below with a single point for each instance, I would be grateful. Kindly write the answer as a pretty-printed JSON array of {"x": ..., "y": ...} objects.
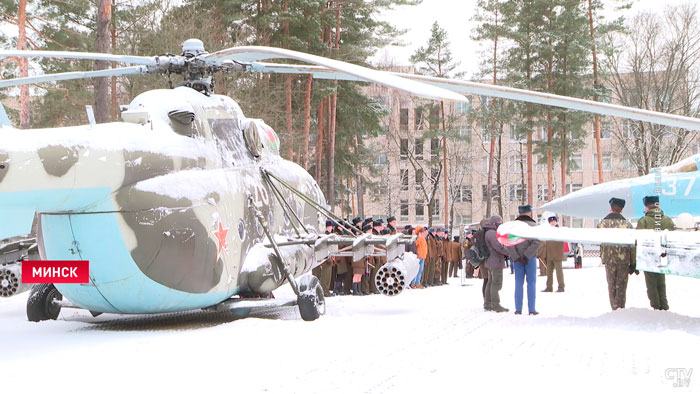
[{"x": 175, "y": 206}]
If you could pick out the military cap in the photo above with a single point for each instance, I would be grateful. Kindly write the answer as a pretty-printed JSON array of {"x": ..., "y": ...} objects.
[
  {"x": 390, "y": 219},
  {"x": 380, "y": 220},
  {"x": 377, "y": 223},
  {"x": 385, "y": 231},
  {"x": 367, "y": 220},
  {"x": 617, "y": 202},
  {"x": 408, "y": 227},
  {"x": 356, "y": 220},
  {"x": 525, "y": 208},
  {"x": 553, "y": 218},
  {"x": 651, "y": 200},
  {"x": 456, "y": 238},
  {"x": 366, "y": 227},
  {"x": 330, "y": 223}
]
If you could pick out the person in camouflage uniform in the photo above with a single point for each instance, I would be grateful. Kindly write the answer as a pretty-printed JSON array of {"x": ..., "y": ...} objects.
[
  {"x": 618, "y": 259},
  {"x": 654, "y": 219}
]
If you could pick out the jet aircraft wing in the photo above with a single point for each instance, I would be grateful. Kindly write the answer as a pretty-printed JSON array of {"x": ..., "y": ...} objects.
[{"x": 665, "y": 252}]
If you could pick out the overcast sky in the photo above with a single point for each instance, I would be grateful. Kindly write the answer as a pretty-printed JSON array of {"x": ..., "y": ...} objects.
[{"x": 455, "y": 17}]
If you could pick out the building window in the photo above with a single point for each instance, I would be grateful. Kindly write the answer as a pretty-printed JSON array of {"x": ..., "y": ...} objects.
[
  {"x": 404, "y": 210},
  {"x": 404, "y": 180},
  {"x": 542, "y": 193},
  {"x": 404, "y": 148},
  {"x": 542, "y": 133},
  {"x": 494, "y": 193},
  {"x": 570, "y": 188},
  {"x": 629, "y": 129},
  {"x": 420, "y": 210},
  {"x": 605, "y": 129},
  {"x": 485, "y": 164},
  {"x": 434, "y": 148},
  {"x": 576, "y": 163},
  {"x": 576, "y": 222},
  {"x": 463, "y": 108},
  {"x": 485, "y": 100},
  {"x": 461, "y": 219},
  {"x": 541, "y": 163},
  {"x": 514, "y": 137},
  {"x": 403, "y": 117},
  {"x": 464, "y": 131},
  {"x": 418, "y": 148},
  {"x": 464, "y": 194},
  {"x": 514, "y": 163},
  {"x": 419, "y": 178},
  {"x": 436, "y": 209},
  {"x": 485, "y": 133},
  {"x": 628, "y": 165},
  {"x": 434, "y": 175},
  {"x": 434, "y": 117},
  {"x": 418, "y": 118},
  {"x": 607, "y": 162},
  {"x": 516, "y": 193},
  {"x": 382, "y": 160}
]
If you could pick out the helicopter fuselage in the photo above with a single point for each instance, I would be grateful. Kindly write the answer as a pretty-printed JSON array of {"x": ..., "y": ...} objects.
[{"x": 159, "y": 204}]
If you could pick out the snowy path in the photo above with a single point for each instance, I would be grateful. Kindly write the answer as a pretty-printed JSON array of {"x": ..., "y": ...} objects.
[{"x": 432, "y": 341}]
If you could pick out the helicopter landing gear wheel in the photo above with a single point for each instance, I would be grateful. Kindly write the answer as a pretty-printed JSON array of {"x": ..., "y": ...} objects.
[
  {"x": 40, "y": 305},
  {"x": 312, "y": 303}
]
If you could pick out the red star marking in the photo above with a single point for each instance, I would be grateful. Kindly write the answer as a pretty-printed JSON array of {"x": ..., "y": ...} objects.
[{"x": 220, "y": 234}]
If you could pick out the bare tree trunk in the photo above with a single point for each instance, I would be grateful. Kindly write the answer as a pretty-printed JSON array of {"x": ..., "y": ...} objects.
[
  {"x": 331, "y": 131},
  {"x": 595, "y": 97},
  {"x": 115, "y": 107},
  {"x": 563, "y": 160},
  {"x": 499, "y": 183},
  {"x": 290, "y": 119},
  {"x": 320, "y": 115},
  {"x": 550, "y": 161},
  {"x": 102, "y": 44},
  {"x": 444, "y": 164},
  {"x": 489, "y": 178},
  {"x": 358, "y": 184},
  {"x": 24, "y": 98},
  {"x": 307, "y": 121}
]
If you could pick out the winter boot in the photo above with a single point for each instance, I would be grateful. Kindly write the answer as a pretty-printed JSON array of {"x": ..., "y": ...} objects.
[
  {"x": 499, "y": 308},
  {"x": 356, "y": 289},
  {"x": 338, "y": 289}
]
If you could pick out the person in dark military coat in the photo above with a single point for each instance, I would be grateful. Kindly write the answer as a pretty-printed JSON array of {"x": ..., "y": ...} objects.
[{"x": 618, "y": 259}]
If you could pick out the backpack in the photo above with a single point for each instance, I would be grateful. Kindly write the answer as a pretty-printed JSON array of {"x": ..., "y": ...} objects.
[{"x": 478, "y": 253}]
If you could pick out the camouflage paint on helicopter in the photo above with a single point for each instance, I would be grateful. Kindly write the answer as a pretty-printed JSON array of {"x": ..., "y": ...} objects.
[{"x": 158, "y": 206}]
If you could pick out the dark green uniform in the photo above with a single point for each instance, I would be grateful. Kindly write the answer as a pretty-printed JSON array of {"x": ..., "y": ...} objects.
[
  {"x": 617, "y": 260},
  {"x": 656, "y": 283}
]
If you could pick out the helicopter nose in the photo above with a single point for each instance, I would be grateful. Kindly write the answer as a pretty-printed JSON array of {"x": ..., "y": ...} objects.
[{"x": 592, "y": 201}]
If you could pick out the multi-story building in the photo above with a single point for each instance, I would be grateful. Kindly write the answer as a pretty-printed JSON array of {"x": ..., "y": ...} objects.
[{"x": 409, "y": 159}]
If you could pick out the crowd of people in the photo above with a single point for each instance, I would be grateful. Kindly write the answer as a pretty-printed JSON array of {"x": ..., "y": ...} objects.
[
  {"x": 485, "y": 257},
  {"x": 439, "y": 258}
]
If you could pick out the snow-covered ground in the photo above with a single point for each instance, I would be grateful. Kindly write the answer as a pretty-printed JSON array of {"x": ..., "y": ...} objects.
[{"x": 429, "y": 341}]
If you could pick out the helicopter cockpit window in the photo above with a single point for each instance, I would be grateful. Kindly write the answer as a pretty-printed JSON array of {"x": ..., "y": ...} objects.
[
  {"x": 183, "y": 122},
  {"x": 227, "y": 133}
]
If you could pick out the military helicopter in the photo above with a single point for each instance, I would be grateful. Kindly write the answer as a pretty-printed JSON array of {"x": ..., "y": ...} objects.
[
  {"x": 186, "y": 203},
  {"x": 172, "y": 205}
]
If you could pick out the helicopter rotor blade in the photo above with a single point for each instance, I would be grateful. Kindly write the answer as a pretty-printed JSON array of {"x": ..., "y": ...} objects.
[
  {"x": 246, "y": 54},
  {"x": 142, "y": 60},
  {"x": 112, "y": 72},
  {"x": 683, "y": 122}
]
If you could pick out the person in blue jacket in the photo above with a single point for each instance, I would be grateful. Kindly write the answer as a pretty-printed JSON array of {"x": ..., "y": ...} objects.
[{"x": 524, "y": 258}]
